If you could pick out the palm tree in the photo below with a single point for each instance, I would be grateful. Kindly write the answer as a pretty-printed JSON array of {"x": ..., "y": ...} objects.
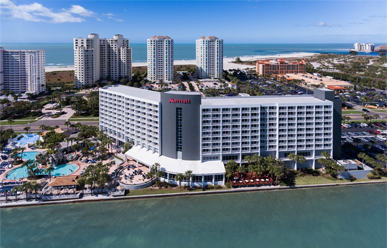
[
  {"x": 67, "y": 124},
  {"x": 35, "y": 187},
  {"x": 15, "y": 153},
  {"x": 179, "y": 177},
  {"x": 362, "y": 156},
  {"x": 241, "y": 169},
  {"x": 187, "y": 175},
  {"x": 27, "y": 129},
  {"x": 251, "y": 167},
  {"x": 81, "y": 182},
  {"x": 325, "y": 154},
  {"x": 376, "y": 116},
  {"x": 231, "y": 166},
  {"x": 43, "y": 127},
  {"x": 6, "y": 195},
  {"x": 366, "y": 117},
  {"x": 297, "y": 159},
  {"x": 49, "y": 170},
  {"x": 10, "y": 121},
  {"x": 15, "y": 190},
  {"x": 26, "y": 187},
  {"x": 22, "y": 149}
]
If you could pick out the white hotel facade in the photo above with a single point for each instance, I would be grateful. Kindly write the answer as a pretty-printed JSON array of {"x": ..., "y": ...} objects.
[
  {"x": 96, "y": 58},
  {"x": 182, "y": 131},
  {"x": 209, "y": 57},
  {"x": 160, "y": 58},
  {"x": 364, "y": 47},
  {"x": 22, "y": 71}
]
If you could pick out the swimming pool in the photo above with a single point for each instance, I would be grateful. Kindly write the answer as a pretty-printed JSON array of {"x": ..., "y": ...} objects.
[
  {"x": 60, "y": 170},
  {"x": 24, "y": 139},
  {"x": 29, "y": 155}
]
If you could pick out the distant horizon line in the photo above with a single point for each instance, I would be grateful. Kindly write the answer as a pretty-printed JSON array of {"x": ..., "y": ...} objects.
[{"x": 236, "y": 43}]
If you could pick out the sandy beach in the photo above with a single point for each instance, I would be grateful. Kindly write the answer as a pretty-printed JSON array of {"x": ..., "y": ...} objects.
[{"x": 227, "y": 65}]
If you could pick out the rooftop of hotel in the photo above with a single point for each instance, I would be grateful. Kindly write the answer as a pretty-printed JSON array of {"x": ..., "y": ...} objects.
[
  {"x": 155, "y": 96},
  {"x": 209, "y": 37},
  {"x": 134, "y": 92},
  {"x": 161, "y": 37},
  {"x": 255, "y": 100}
]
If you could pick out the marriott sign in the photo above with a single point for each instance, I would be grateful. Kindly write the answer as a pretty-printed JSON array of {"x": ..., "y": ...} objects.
[{"x": 171, "y": 100}]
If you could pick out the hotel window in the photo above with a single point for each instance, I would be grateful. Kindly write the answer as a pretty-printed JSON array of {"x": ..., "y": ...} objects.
[
  {"x": 179, "y": 129},
  {"x": 218, "y": 178},
  {"x": 208, "y": 178},
  {"x": 197, "y": 179}
]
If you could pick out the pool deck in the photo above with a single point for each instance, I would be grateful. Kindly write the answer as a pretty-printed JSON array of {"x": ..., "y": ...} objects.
[
  {"x": 3, "y": 178},
  {"x": 3, "y": 175}
]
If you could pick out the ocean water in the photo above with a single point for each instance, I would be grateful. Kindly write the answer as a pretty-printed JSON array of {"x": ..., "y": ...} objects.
[
  {"x": 349, "y": 216},
  {"x": 62, "y": 54}
]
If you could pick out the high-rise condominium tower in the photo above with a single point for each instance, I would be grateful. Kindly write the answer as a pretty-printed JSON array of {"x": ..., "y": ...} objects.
[
  {"x": 96, "y": 58},
  {"x": 160, "y": 58},
  {"x": 22, "y": 71},
  {"x": 209, "y": 57}
]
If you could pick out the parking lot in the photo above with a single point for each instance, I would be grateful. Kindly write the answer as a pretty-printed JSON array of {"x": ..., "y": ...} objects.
[{"x": 370, "y": 134}]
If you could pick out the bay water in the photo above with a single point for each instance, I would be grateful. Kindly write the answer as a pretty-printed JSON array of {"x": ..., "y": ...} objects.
[{"x": 343, "y": 216}]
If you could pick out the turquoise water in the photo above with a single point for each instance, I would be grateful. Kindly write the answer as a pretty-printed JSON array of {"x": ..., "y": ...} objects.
[
  {"x": 29, "y": 155},
  {"x": 58, "y": 54},
  {"x": 60, "y": 170},
  {"x": 351, "y": 216}
]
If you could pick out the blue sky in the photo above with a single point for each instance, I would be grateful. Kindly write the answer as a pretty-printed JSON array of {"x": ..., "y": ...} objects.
[{"x": 306, "y": 21}]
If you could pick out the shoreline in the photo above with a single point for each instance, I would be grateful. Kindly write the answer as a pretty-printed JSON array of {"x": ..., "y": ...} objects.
[
  {"x": 208, "y": 192},
  {"x": 227, "y": 65}
]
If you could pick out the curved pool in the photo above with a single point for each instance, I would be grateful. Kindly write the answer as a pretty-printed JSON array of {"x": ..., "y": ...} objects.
[
  {"x": 29, "y": 155},
  {"x": 60, "y": 170}
]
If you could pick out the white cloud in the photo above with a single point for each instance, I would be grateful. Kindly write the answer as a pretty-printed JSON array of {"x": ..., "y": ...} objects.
[
  {"x": 320, "y": 24},
  {"x": 324, "y": 24},
  {"x": 111, "y": 16},
  {"x": 79, "y": 10},
  {"x": 36, "y": 12}
]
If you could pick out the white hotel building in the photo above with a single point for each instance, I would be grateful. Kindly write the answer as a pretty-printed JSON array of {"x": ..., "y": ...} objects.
[
  {"x": 209, "y": 57},
  {"x": 107, "y": 59},
  {"x": 22, "y": 71},
  {"x": 160, "y": 58},
  {"x": 182, "y": 131},
  {"x": 364, "y": 47}
]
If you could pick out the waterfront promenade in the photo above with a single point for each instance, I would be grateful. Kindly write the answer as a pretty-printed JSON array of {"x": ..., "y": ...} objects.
[{"x": 100, "y": 197}]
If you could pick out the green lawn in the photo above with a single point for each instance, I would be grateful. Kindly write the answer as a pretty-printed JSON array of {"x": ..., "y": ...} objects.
[
  {"x": 380, "y": 110},
  {"x": 308, "y": 180},
  {"x": 18, "y": 122},
  {"x": 344, "y": 112},
  {"x": 84, "y": 119}
]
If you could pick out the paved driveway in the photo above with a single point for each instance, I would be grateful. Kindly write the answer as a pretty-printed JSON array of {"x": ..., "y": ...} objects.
[{"x": 50, "y": 112}]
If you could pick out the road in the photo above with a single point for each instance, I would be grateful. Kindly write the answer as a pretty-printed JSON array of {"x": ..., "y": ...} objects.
[
  {"x": 35, "y": 127},
  {"x": 371, "y": 112}
]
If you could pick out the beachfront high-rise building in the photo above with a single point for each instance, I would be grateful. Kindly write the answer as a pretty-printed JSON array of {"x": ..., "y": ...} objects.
[
  {"x": 209, "y": 57},
  {"x": 22, "y": 71},
  {"x": 182, "y": 131},
  {"x": 107, "y": 59},
  {"x": 364, "y": 47},
  {"x": 280, "y": 66},
  {"x": 160, "y": 58},
  {"x": 1, "y": 69}
]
